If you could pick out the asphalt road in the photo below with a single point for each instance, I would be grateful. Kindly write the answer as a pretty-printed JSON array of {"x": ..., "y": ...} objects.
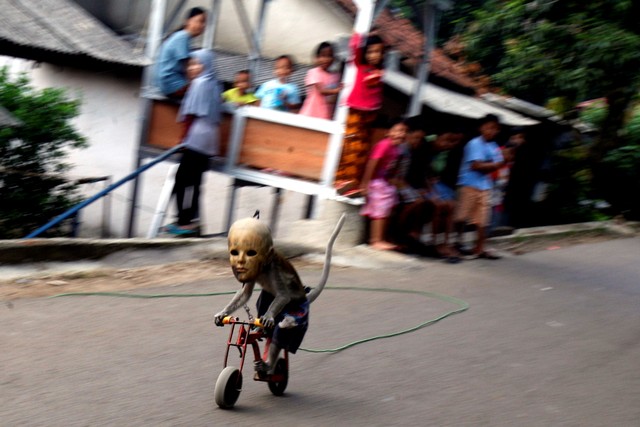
[{"x": 550, "y": 339}]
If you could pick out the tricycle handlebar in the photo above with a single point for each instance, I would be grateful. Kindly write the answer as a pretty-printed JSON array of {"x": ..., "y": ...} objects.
[{"x": 227, "y": 320}]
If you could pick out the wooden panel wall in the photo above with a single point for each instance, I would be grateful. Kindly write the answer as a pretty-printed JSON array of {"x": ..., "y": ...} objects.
[
  {"x": 295, "y": 151},
  {"x": 165, "y": 132}
]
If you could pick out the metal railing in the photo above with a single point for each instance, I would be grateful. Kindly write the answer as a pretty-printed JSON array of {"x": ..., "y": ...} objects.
[
  {"x": 72, "y": 211},
  {"x": 106, "y": 206}
]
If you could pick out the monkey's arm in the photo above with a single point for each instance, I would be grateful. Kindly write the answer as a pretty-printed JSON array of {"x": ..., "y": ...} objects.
[
  {"x": 285, "y": 285},
  {"x": 277, "y": 305},
  {"x": 238, "y": 300}
]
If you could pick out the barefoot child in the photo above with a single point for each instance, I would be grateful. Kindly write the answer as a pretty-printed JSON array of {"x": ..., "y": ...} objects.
[{"x": 378, "y": 186}]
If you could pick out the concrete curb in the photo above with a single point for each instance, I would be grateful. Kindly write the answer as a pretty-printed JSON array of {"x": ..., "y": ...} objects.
[
  {"x": 25, "y": 251},
  {"x": 623, "y": 228},
  {"x": 69, "y": 249}
]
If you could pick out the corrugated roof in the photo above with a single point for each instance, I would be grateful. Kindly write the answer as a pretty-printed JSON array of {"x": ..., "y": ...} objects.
[
  {"x": 228, "y": 63},
  {"x": 61, "y": 27},
  {"x": 447, "y": 101},
  {"x": 6, "y": 119}
]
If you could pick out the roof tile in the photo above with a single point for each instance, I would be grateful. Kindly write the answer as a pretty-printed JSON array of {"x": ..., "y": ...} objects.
[
  {"x": 62, "y": 26},
  {"x": 400, "y": 34}
]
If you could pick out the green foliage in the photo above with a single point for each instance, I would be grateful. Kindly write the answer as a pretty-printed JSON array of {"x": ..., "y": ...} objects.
[
  {"x": 455, "y": 20},
  {"x": 560, "y": 105},
  {"x": 594, "y": 114},
  {"x": 540, "y": 49},
  {"x": 632, "y": 129},
  {"x": 622, "y": 168},
  {"x": 452, "y": 21},
  {"x": 569, "y": 51},
  {"x": 621, "y": 171},
  {"x": 569, "y": 196},
  {"x": 33, "y": 188},
  {"x": 537, "y": 50},
  {"x": 403, "y": 8}
]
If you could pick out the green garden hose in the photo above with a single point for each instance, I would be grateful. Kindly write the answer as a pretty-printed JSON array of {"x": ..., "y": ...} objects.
[{"x": 462, "y": 306}]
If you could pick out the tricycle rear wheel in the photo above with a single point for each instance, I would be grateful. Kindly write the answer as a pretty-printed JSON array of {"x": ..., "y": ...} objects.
[
  {"x": 282, "y": 374},
  {"x": 228, "y": 387}
]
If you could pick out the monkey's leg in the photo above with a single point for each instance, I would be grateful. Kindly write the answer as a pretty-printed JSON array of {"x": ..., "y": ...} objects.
[{"x": 272, "y": 359}]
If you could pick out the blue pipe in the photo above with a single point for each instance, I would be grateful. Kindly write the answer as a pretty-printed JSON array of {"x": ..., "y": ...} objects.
[{"x": 102, "y": 193}]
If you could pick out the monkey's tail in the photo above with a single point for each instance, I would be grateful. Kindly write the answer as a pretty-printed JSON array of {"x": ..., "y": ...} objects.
[{"x": 313, "y": 294}]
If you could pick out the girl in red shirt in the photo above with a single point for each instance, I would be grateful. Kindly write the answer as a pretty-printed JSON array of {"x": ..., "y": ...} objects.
[{"x": 364, "y": 101}]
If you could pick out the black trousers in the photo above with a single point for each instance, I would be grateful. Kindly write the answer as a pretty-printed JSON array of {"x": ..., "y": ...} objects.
[{"x": 187, "y": 185}]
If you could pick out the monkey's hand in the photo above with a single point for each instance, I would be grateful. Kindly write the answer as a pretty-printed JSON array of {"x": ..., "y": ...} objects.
[
  {"x": 267, "y": 321},
  {"x": 217, "y": 318}
]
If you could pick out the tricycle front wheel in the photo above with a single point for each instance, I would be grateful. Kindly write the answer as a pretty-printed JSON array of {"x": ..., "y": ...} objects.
[{"x": 228, "y": 387}]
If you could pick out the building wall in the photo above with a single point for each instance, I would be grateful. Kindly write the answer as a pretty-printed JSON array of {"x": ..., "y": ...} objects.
[
  {"x": 110, "y": 115},
  {"x": 110, "y": 119},
  {"x": 293, "y": 27}
]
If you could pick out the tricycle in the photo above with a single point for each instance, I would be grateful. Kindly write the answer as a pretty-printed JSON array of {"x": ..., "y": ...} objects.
[{"x": 245, "y": 334}]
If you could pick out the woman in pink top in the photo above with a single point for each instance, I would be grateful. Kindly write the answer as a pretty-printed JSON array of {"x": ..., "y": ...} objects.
[
  {"x": 322, "y": 85},
  {"x": 364, "y": 101}
]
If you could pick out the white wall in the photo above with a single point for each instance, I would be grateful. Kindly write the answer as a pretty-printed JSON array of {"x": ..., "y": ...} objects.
[{"x": 293, "y": 27}]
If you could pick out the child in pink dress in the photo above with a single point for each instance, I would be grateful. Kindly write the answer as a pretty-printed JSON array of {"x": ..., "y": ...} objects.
[
  {"x": 322, "y": 85},
  {"x": 379, "y": 186}
]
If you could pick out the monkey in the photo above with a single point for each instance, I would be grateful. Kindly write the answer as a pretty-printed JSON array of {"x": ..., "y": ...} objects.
[{"x": 284, "y": 298}]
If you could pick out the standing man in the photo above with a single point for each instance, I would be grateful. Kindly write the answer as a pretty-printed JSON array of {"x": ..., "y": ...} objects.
[{"x": 481, "y": 157}]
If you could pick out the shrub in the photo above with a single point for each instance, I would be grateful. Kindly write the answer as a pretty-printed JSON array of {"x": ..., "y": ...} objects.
[
  {"x": 622, "y": 170},
  {"x": 619, "y": 173},
  {"x": 33, "y": 187}
]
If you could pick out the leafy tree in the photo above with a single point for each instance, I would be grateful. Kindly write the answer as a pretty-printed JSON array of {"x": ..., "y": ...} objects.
[
  {"x": 457, "y": 19},
  {"x": 452, "y": 21},
  {"x": 620, "y": 166},
  {"x": 539, "y": 49},
  {"x": 558, "y": 53},
  {"x": 33, "y": 188}
]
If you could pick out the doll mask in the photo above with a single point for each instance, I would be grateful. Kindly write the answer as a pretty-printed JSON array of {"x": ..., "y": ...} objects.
[{"x": 250, "y": 248}]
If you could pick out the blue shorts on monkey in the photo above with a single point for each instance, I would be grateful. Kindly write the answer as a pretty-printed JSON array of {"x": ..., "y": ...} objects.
[{"x": 287, "y": 338}]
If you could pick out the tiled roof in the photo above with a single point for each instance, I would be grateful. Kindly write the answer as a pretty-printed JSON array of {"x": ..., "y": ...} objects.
[
  {"x": 39, "y": 28},
  {"x": 6, "y": 119},
  {"x": 401, "y": 35}
]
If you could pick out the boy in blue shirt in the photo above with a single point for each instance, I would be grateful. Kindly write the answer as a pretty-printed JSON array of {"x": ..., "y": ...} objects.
[
  {"x": 279, "y": 94},
  {"x": 481, "y": 157}
]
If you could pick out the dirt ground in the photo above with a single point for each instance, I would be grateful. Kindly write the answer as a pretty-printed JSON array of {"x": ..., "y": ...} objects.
[{"x": 175, "y": 274}]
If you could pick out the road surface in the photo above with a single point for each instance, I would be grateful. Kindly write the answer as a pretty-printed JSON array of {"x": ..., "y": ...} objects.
[{"x": 550, "y": 339}]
